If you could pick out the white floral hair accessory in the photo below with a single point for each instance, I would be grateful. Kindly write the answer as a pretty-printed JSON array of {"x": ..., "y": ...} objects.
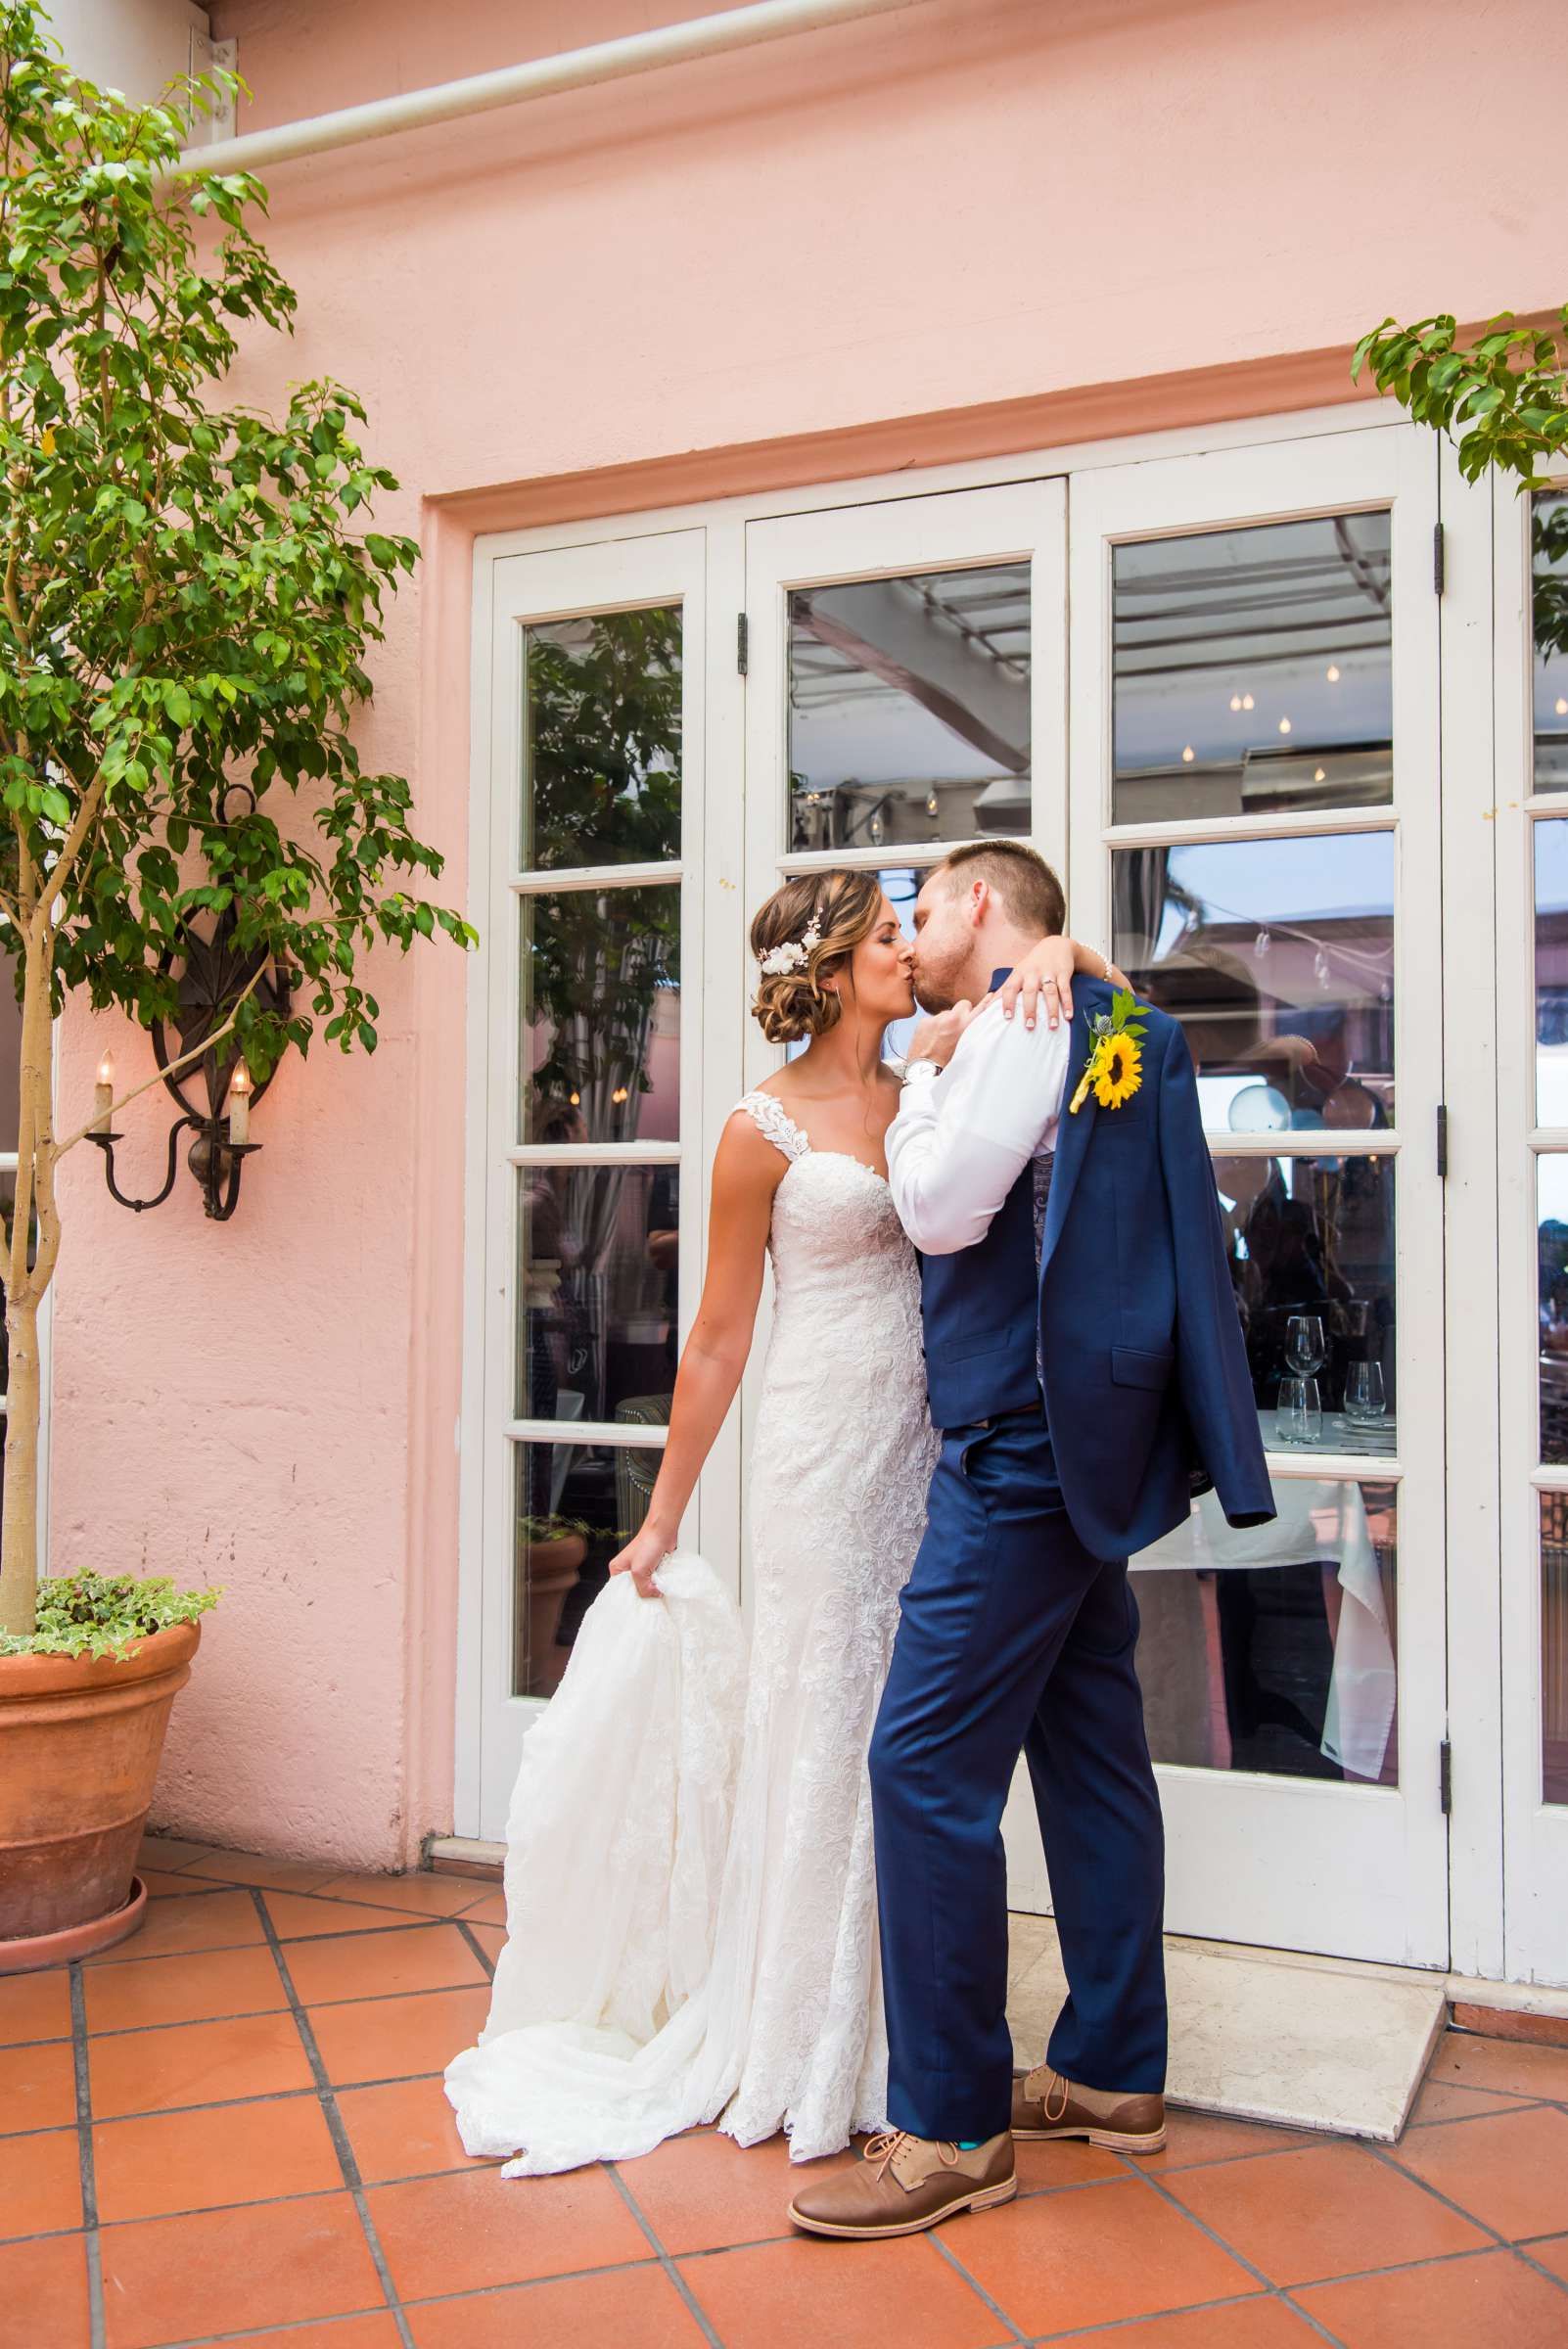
[{"x": 794, "y": 952}]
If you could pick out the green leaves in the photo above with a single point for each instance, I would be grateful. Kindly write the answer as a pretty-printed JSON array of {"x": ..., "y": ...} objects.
[
  {"x": 91, "y": 1614},
  {"x": 196, "y": 594},
  {"x": 1504, "y": 399}
]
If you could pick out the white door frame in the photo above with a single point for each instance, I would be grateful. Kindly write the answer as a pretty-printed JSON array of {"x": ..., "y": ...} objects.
[
  {"x": 1276, "y": 444},
  {"x": 512, "y": 591},
  {"x": 951, "y": 530},
  {"x": 1535, "y": 1832},
  {"x": 1367, "y": 1874}
]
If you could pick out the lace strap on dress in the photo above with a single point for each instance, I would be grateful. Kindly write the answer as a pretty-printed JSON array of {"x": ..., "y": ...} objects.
[{"x": 774, "y": 1120}]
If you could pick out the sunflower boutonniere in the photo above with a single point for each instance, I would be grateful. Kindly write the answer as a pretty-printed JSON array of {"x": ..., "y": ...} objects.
[{"x": 1113, "y": 1070}]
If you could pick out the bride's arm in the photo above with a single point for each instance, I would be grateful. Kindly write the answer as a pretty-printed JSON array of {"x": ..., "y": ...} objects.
[
  {"x": 1046, "y": 971},
  {"x": 747, "y": 1171}
]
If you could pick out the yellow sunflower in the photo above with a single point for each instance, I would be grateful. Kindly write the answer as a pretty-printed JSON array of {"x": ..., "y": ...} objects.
[{"x": 1121, "y": 1071}]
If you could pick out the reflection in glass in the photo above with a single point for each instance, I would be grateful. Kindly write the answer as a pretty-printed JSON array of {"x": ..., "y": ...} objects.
[
  {"x": 909, "y": 709},
  {"x": 576, "y": 1504},
  {"x": 1550, "y": 843},
  {"x": 599, "y": 997},
  {"x": 1277, "y": 957},
  {"x": 1252, "y": 670},
  {"x": 1554, "y": 1647},
  {"x": 1550, "y": 631},
  {"x": 1315, "y": 1238},
  {"x": 597, "y": 1277},
  {"x": 1552, "y": 1242},
  {"x": 601, "y": 740},
  {"x": 1272, "y": 1648}
]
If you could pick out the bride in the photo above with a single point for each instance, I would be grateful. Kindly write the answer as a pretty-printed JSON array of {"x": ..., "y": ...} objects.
[{"x": 690, "y": 1887}]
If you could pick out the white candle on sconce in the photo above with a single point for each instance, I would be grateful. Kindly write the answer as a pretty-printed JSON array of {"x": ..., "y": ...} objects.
[
  {"x": 104, "y": 1094},
  {"x": 240, "y": 1103}
]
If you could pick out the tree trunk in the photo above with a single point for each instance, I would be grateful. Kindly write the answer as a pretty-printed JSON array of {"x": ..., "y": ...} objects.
[
  {"x": 29, "y": 1267},
  {"x": 19, "y": 1521}
]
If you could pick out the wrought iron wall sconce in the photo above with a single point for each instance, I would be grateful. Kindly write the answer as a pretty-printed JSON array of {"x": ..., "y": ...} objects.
[{"x": 222, "y": 1092}]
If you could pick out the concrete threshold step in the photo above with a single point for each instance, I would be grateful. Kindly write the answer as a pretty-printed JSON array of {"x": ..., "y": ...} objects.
[{"x": 1263, "y": 2035}]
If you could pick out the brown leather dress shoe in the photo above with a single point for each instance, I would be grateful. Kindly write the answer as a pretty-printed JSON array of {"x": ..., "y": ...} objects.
[
  {"x": 1044, "y": 2105},
  {"x": 906, "y": 2184}
]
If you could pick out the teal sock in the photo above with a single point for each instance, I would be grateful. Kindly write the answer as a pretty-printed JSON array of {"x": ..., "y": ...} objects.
[{"x": 970, "y": 2145}]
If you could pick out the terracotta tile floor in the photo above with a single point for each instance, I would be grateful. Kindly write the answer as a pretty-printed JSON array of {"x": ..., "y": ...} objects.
[{"x": 232, "y": 2129}]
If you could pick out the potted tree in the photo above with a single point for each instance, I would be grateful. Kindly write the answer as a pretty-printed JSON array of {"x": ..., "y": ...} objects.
[{"x": 187, "y": 594}]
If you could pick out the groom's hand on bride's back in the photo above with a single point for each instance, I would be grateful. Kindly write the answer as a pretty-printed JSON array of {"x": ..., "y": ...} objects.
[
  {"x": 641, "y": 1558},
  {"x": 937, "y": 1039}
]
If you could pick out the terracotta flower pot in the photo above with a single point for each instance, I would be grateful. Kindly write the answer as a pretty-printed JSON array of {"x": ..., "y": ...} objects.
[{"x": 80, "y": 1740}]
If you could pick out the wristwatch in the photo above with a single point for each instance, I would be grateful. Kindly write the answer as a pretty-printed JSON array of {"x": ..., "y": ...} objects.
[{"x": 921, "y": 1068}]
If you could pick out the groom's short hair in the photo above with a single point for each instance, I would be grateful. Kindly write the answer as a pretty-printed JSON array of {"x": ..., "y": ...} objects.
[{"x": 1021, "y": 877}]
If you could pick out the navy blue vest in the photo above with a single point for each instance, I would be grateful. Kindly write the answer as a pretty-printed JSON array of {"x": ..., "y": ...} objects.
[{"x": 981, "y": 1310}]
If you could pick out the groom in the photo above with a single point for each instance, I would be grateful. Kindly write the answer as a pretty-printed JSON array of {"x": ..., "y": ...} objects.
[{"x": 1086, "y": 1369}]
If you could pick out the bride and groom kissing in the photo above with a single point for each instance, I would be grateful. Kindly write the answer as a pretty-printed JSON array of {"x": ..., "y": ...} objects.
[{"x": 767, "y": 1885}]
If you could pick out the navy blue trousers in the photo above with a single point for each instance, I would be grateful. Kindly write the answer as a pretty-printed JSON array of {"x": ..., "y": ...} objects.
[{"x": 1012, "y": 1639}]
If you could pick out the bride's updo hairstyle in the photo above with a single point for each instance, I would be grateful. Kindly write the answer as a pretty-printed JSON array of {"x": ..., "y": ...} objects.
[{"x": 839, "y": 909}]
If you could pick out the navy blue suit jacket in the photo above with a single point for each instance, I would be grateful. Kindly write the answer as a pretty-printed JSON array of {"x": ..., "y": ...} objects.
[{"x": 1147, "y": 1391}]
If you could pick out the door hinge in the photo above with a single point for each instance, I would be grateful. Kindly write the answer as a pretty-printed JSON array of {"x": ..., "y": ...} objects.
[
  {"x": 1438, "y": 569},
  {"x": 743, "y": 643},
  {"x": 1443, "y": 1140},
  {"x": 1446, "y": 1778}
]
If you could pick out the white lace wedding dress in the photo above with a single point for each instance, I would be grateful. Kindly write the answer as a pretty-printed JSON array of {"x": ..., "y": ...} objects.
[{"x": 691, "y": 1900}]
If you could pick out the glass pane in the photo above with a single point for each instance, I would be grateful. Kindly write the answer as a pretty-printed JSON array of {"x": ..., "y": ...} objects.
[
  {"x": 1554, "y": 1647},
  {"x": 597, "y": 1250},
  {"x": 601, "y": 740},
  {"x": 599, "y": 995},
  {"x": 576, "y": 1504},
  {"x": 1551, "y": 1218},
  {"x": 1311, "y": 1247},
  {"x": 1252, "y": 670},
  {"x": 1277, "y": 957},
  {"x": 1551, "y": 970},
  {"x": 1549, "y": 629},
  {"x": 909, "y": 709},
  {"x": 1272, "y": 1648}
]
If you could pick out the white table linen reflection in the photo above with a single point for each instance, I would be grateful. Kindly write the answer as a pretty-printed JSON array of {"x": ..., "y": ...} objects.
[{"x": 1320, "y": 1520}]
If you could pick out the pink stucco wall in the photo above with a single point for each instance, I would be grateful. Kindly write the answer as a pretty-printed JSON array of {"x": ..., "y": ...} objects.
[{"x": 977, "y": 201}]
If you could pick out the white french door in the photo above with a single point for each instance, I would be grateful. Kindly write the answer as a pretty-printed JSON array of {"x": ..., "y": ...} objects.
[
  {"x": 1256, "y": 831},
  {"x": 905, "y": 691},
  {"x": 1207, "y": 687},
  {"x": 585, "y": 1128},
  {"x": 1531, "y": 1075}
]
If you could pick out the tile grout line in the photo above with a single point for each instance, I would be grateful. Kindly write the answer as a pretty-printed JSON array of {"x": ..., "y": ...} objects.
[
  {"x": 91, "y": 2248},
  {"x": 697, "y": 2312},
  {"x": 318, "y": 1892},
  {"x": 1014, "y": 2331},
  {"x": 1275, "y": 2291},
  {"x": 273, "y": 2332},
  {"x": 1111, "y": 2325},
  {"x": 346, "y": 2159},
  {"x": 473, "y": 1941},
  {"x": 1472, "y": 2218},
  {"x": 251, "y": 2015},
  {"x": 402, "y": 1922}
]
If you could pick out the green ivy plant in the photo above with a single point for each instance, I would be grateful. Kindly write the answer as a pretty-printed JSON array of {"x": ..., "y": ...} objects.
[
  {"x": 1504, "y": 399},
  {"x": 188, "y": 592},
  {"x": 103, "y": 1615}
]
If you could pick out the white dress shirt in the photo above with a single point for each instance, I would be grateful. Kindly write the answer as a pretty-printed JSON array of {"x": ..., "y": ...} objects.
[{"x": 965, "y": 1134}]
